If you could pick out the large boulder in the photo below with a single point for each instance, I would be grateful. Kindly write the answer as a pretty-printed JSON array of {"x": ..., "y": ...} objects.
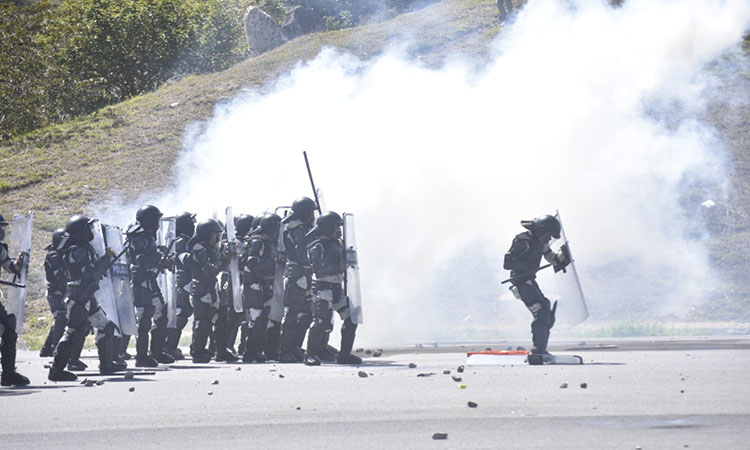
[
  {"x": 300, "y": 20},
  {"x": 261, "y": 31}
]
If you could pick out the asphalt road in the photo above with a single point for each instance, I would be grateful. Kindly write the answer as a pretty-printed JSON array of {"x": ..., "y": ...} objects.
[{"x": 648, "y": 394}]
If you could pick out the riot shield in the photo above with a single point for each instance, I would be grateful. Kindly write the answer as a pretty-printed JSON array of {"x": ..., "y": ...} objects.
[
  {"x": 572, "y": 305},
  {"x": 20, "y": 242},
  {"x": 120, "y": 276},
  {"x": 234, "y": 265},
  {"x": 105, "y": 295},
  {"x": 352, "y": 283},
  {"x": 277, "y": 302},
  {"x": 167, "y": 281}
]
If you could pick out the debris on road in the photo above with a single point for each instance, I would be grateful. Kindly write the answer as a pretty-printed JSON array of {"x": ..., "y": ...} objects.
[
  {"x": 215, "y": 382},
  {"x": 132, "y": 389},
  {"x": 281, "y": 375},
  {"x": 439, "y": 436},
  {"x": 462, "y": 386},
  {"x": 377, "y": 353},
  {"x": 460, "y": 369},
  {"x": 584, "y": 385},
  {"x": 88, "y": 383},
  {"x": 412, "y": 365},
  {"x": 472, "y": 405},
  {"x": 446, "y": 372},
  {"x": 210, "y": 393},
  {"x": 457, "y": 379},
  {"x": 427, "y": 374},
  {"x": 363, "y": 374},
  {"x": 564, "y": 386}
]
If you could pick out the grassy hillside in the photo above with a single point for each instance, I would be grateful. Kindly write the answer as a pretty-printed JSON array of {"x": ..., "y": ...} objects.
[{"x": 131, "y": 147}]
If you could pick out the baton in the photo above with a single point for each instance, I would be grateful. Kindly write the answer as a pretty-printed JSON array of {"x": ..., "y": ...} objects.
[
  {"x": 8, "y": 283},
  {"x": 524, "y": 275}
]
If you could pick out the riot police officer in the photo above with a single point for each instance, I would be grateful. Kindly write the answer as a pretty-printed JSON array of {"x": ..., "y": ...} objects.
[
  {"x": 9, "y": 376},
  {"x": 204, "y": 263},
  {"x": 243, "y": 225},
  {"x": 297, "y": 280},
  {"x": 328, "y": 266},
  {"x": 523, "y": 260},
  {"x": 258, "y": 275},
  {"x": 84, "y": 270},
  {"x": 184, "y": 230},
  {"x": 146, "y": 261},
  {"x": 56, "y": 283}
]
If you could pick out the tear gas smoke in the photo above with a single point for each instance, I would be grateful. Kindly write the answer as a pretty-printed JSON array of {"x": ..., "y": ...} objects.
[{"x": 576, "y": 111}]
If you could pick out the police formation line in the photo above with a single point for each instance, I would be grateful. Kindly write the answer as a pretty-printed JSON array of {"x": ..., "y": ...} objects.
[{"x": 312, "y": 266}]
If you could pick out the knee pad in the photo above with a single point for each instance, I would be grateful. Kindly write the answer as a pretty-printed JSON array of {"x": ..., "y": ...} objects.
[{"x": 99, "y": 319}]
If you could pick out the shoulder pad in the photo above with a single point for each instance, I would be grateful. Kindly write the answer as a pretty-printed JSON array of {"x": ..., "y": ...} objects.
[{"x": 133, "y": 229}]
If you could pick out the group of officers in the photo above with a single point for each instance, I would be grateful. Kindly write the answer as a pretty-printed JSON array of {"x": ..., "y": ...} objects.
[
  {"x": 314, "y": 272},
  {"x": 313, "y": 288}
]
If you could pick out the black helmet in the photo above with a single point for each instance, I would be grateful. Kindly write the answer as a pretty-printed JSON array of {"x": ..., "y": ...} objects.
[
  {"x": 148, "y": 217},
  {"x": 328, "y": 223},
  {"x": 269, "y": 224},
  {"x": 243, "y": 224},
  {"x": 184, "y": 224},
  {"x": 256, "y": 222},
  {"x": 303, "y": 209},
  {"x": 79, "y": 228},
  {"x": 3, "y": 228},
  {"x": 543, "y": 225},
  {"x": 59, "y": 238},
  {"x": 206, "y": 228}
]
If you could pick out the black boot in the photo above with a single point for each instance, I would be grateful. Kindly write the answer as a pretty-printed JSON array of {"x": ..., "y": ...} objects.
[
  {"x": 122, "y": 348},
  {"x": 158, "y": 340},
  {"x": 172, "y": 343},
  {"x": 8, "y": 354},
  {"x": 348, "y": 332},
  {"x": 273, "y": 335},
  {"x": 13, "y": 379},
  {"x": 62, "y": 353},
  {"x": 55, "y": 333},
  {"x": 198, "y": 352}
]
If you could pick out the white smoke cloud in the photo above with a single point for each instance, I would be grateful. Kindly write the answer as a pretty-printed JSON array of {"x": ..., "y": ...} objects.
[{"x": 573, "y": 112}]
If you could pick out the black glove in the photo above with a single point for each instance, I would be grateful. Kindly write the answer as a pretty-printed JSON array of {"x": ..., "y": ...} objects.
[{"x": 562, "y": 259}]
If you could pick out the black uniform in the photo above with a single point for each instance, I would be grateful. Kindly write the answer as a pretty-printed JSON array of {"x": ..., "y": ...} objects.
[
  {"x": 328, "y": 267},
  {"x": 84, "y": 270},
  {"x": 226, "y": 310},
  {"x": 258, "y": 275},
  {"x": 297, "y": 290},
  {"x": 56, "y": 285},
  {"x": 184, "y": 308},
  {"x": 523, "y": 260},
  {"x": 8, "y": 329},
  {"x": 204, "y": 263},
  {"x": 151, "y": 310}
]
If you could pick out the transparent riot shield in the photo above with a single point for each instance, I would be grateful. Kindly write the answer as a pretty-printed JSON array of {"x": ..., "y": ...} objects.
[
  {"x": 20, "y": 242},
  {"x": 572, "y": 308},
  {"x": 167, "y": 281},
  {"x": 277, "y": 302},
  {"x": 105, "y": 295},
  {"x": 120, "y": 276},
  {"x": 353, "y": 287},
  {"x": 234, "y": 265}
]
